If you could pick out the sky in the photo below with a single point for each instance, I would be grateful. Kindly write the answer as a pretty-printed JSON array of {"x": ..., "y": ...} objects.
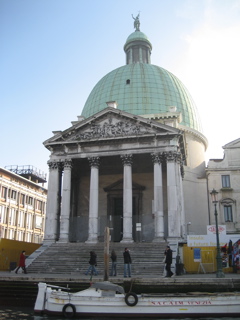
[{"x": 53, "y": 52}]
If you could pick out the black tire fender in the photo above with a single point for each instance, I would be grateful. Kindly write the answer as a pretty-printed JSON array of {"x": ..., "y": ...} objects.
[
  {"x": 133, "y": 297},
  {"x": 69, "y": 314}
]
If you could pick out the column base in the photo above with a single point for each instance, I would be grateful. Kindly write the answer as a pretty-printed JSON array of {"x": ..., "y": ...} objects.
[
  {"x": 48, "y": 242},
  {"x": 127, "y": 240},
  {"x": 63, "y": 240},
  {"x": 159, "y": 239},
  {"x": 174, "y": 240},
  {"x": 91, "y": 241}
]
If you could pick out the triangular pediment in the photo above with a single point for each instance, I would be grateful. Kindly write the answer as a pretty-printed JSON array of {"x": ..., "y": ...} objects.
[
  {"x": 109, "y": 124},
  {"x": 233, "y": 144}
]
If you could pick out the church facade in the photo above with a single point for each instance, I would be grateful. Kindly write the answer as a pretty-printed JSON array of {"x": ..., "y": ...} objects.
[{"x": 133, "y": 161}]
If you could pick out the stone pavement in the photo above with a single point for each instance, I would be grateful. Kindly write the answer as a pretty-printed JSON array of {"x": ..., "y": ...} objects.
[{"x": 78, "y": 276}]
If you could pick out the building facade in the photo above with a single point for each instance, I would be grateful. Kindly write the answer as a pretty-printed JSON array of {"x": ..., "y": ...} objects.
[
  {"x": 22, "y": 204},
  {"x": 224, "y": 176},
  {"x": 133, "y": 161}
]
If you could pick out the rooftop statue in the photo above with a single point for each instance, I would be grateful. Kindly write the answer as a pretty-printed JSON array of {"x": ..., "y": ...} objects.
[{"x": 136, "y": 23}]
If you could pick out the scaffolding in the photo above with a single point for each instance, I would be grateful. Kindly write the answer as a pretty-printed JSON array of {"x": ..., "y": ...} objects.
[{"x": 29, "y": 172}]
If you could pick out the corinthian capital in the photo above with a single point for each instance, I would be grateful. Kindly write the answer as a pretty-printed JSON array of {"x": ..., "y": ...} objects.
[
  {"x": 67, "y": 164},
  {"x": 54, "y": 165},
  {"x": 157, "y": 157},
  {"x": 127, "y": 159},
  {"x": 173, "y": 156},
  {"x": 94, "y": 161}
]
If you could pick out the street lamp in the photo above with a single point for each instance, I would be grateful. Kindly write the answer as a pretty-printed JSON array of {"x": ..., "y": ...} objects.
[
  {"x": 220, "y": 273},
  {"x": 188, "y": 225}
]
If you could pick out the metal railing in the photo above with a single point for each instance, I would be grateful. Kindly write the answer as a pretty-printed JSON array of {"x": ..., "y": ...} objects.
[{"x": 27, "y": 170}]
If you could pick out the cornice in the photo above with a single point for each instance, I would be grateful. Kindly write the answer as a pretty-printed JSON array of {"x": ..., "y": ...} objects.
[{"x": 196, "y": 133}]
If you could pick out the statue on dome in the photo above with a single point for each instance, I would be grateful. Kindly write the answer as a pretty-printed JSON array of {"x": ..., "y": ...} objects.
[{"x": 136, "y": 23}]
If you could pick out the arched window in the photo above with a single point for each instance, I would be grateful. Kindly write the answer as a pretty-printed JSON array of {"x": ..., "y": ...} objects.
[{"x": 228, "y": 208}]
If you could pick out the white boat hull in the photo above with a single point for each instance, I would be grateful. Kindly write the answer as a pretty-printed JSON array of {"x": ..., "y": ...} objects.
[{"x": 95, "y": 302}]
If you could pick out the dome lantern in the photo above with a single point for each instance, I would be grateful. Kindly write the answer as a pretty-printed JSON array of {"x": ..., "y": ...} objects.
[{"x": 138, "y": 48}]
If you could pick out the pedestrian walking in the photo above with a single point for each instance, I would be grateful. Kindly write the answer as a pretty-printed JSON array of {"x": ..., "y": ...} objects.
[
  {"x": 127, "y": 263},
  {"x": 22, "y": 262},
  {"x": 168, "y": 261},
  {"x": 114, "y": 263},
  {"x": 92, "y": 264}
]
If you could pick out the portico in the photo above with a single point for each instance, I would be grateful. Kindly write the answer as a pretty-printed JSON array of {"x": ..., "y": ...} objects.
[{"x": 116, "y": 170}]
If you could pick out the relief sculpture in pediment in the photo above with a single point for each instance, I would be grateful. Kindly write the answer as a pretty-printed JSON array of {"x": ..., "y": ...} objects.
[{"x": 111, "y": 129}]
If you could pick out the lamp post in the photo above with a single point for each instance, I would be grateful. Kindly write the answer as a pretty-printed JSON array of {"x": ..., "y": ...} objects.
[
  {"x": 188, "y": 225},
  {"x": 220, "y": 273}
]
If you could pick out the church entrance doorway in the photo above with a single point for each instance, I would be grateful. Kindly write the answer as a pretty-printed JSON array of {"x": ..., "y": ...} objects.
[
  {"x": 116, "y": 218},
  {"x": 115, "y": 210}
]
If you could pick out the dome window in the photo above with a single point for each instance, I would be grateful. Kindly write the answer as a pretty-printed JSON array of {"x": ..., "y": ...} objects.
[{"x": 128, "y": 81}]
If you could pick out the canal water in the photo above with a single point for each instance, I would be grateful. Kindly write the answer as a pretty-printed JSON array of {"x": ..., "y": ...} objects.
[{"x": 26, "y": 313}]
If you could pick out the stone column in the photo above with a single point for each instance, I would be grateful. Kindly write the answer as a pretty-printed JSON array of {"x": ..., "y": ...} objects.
[
  {"x": 130, "y": 59},
  {"x": 182, "y": 218},
  {"x": 66, "y": 202},
  {"x": 53, "y": 202},
  {"x": 174, "y": 194},
  {"x": 149, "y": 55},
  {"x": 140, "y": 55},
  {"x": 127, "y": 198},
  {"x": 93, "y": 200},
  {"x": 157, "y": 159}
]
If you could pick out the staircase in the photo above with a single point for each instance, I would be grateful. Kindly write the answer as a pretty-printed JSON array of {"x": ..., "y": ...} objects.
[{"x": 72, "y": 258}]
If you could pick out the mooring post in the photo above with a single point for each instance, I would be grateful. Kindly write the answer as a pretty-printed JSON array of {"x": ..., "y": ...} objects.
[{"x": 106, "y": 254}]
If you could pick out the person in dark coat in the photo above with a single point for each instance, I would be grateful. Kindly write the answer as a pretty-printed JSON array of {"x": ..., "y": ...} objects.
[
  {"x": 168, "y": 261},
  {"x": 92, "y": 264},
  {"x": 114, "y": 263},
  {"x": 22, "y": 262},
  {"x": 127, "y": 263}
]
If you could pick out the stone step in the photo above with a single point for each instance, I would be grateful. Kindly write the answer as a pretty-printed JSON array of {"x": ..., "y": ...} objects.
[{"x": 65, "y": 258}]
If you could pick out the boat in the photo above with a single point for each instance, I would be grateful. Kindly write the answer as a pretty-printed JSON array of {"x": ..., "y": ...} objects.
[{"x": 107, "y": 299}]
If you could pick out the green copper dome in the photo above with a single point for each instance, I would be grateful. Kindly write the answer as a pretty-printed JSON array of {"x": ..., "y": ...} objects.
[{"x": 141, "y": 88}]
